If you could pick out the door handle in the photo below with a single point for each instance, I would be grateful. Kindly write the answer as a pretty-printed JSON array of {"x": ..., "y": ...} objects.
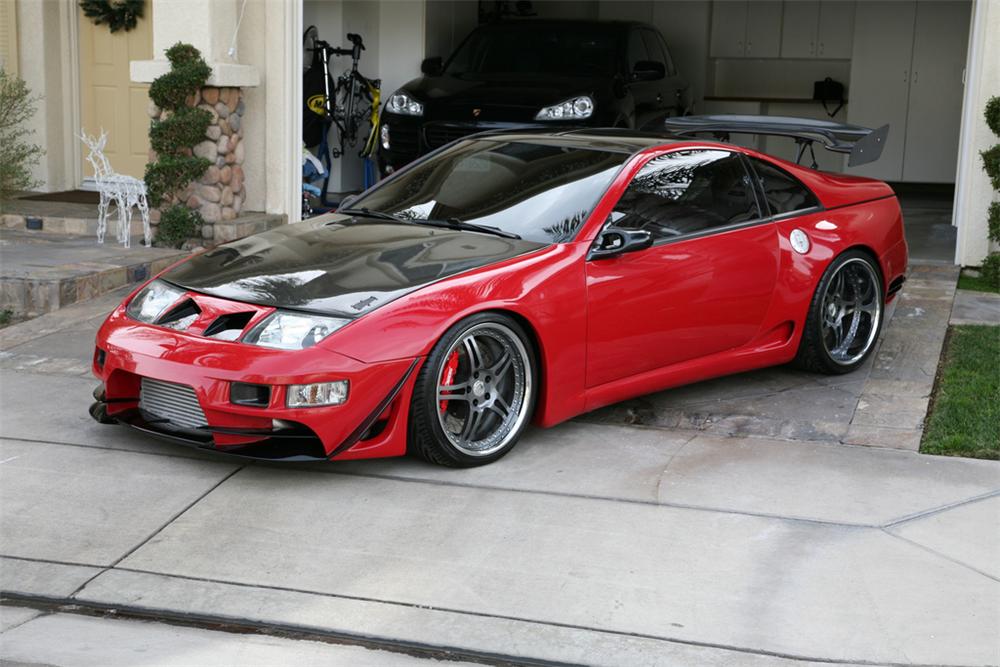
[{"x": 659, "y": 97}]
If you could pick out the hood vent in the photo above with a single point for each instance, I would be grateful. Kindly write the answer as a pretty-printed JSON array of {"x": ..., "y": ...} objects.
[
  {"x": 229, "y": 327},
  {"x": 181, "y": 316}
]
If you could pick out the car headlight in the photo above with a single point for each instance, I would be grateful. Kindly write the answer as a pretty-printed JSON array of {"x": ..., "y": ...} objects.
[
  {"x": 401, "y": 103},
  {"x": 573, "y": 109},
  {"x": 293, "y": 331},
  {"x": 152, "y": 301}
]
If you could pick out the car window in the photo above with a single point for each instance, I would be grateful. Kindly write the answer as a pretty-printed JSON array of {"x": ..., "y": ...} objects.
[
  {"x": 654, "y": 47},
  {"x": 636, "y": 50},
  {"x": 784, "y": 192},
  {"x": 666, "y": 54},
  {"x": 536, "y": 50},
  {"x": 687, "y": 192},
  {"x": 539, "y": 192}
]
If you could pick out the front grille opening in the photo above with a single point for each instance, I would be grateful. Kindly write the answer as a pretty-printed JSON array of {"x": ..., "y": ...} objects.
[
  {"x": 176, "y": 404},
  {"x": 230, "y": 326},
  {"x": 256, "y": 395},
  {"x": 181, "y": 316}
]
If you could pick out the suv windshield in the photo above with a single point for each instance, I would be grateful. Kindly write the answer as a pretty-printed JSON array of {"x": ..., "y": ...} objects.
[
  {"x": 540, "y": 192},
  {"x": 525, "y": 49}
]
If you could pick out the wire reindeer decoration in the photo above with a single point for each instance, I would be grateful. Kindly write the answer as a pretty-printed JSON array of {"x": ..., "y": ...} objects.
[{"x": 125, "y": 191}]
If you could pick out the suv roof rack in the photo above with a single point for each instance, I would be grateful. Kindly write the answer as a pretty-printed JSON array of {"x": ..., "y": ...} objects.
[{"x": 862, "y": 144}]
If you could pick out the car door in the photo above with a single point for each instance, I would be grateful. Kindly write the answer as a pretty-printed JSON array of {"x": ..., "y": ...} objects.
[
  {"x": 669, "y": 98},
  {"x": 705, "y": 284}
]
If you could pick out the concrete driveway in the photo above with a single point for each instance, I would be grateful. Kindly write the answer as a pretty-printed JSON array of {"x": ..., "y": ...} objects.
[{"x": 595, "y": 542}]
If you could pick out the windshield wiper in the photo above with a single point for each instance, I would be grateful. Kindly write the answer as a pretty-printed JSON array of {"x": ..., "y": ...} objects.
[
  {"x": 455, "y": 223},
  {"x": 381, "y": 215},
  {"x": 447, "y": 223}
]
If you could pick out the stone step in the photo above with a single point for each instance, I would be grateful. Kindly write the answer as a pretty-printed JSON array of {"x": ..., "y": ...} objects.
[{"x": 41, "y": 271}]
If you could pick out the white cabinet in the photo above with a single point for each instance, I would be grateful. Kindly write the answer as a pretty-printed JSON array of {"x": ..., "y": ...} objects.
[
  {"x": 746, "y": 29},
  {"x": 935, "y": 109},
  {"x": 835, "y": 34},
  {"x": 906, "y": 70},
  {"x": 814, "y": 29}
]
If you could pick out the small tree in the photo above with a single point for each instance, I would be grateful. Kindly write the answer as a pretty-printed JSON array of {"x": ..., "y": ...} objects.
[
  {"x": 17, "y": 155},
  {"x": 172, "y": 139},
  {"x": 991, "y": 164}
]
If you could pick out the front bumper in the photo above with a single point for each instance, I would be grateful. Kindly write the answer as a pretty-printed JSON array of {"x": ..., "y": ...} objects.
[{"x": 370, "y": 423}]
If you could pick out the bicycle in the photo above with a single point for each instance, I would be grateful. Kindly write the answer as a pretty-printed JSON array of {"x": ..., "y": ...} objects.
[{"x": 355, "y": 99}]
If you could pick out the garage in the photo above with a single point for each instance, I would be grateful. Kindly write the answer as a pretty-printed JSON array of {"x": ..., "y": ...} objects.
[{"x": 864, "y": 63}]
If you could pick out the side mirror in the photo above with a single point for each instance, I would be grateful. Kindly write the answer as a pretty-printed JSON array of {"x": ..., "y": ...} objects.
[
  {"x": 432, "y": 66},
  {"x": 648, "y": 70},
  {"x": 614, "y": 241}
]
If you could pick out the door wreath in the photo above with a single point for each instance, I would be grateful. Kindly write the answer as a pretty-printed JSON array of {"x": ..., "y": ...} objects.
[{"x": 118, "y": 14}]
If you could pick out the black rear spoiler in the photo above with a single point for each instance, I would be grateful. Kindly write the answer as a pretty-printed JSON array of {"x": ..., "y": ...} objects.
[{"x": 863, "y": 145}]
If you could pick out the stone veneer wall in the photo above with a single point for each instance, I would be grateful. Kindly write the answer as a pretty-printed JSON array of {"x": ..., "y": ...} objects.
[{"x": 220, "y": 193}]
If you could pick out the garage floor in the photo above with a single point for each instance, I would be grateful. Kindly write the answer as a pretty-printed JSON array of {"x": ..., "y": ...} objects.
[{"x": 927, "y": 220}]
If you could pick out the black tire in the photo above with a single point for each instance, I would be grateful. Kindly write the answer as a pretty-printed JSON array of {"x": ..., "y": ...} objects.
[
  {"x": 814, "y": 352},
  {"x": 427, "y": 437}
]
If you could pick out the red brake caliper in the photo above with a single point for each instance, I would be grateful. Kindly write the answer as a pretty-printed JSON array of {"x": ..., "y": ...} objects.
[{"x": 448, "y": 375}]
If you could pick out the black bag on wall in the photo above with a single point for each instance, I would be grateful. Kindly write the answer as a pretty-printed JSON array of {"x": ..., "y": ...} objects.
[{"x": 829, "y": 90}]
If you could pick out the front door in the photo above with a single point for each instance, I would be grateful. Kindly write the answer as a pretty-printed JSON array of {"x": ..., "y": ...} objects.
[
  {"x": 703, "y": 287},
  {"x": 108, "y": 98}
]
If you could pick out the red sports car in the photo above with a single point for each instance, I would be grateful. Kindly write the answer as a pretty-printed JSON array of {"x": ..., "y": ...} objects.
[{"x": 510, "y": 278}]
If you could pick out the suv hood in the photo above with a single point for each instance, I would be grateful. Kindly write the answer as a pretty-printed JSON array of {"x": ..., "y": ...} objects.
[{"x": 339, "y": 265}]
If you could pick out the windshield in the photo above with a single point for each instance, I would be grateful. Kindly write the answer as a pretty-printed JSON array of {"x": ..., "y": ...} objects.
[
  {"x": 525, "y": 49},
  {"x": 540, "y": 192}
]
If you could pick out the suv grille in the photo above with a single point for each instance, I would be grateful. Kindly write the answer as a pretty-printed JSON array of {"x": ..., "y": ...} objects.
[{"x": 176, "y": 403}]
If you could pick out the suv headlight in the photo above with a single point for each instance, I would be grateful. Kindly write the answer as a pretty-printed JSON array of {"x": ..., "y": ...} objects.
[
  {"x": 573, "y": 109},
  {"x": 285, "y": 330},
  {"x": 401, "y": 103},
  {"x": 152, "y": 301}
]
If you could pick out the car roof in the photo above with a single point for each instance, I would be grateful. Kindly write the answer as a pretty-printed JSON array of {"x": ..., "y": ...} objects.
[{"x": 604, "y": 139}]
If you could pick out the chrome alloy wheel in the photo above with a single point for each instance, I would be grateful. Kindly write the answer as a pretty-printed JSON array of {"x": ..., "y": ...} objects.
[
  {"x": 484, "y": 389},
  {"x": 851, "y": 311}
]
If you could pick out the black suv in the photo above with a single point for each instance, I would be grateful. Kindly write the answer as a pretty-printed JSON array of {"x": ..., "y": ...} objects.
[{"x": 538, "y": 73}]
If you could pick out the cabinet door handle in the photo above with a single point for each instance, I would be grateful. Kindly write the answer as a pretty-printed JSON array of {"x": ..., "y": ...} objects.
[
  {"x": 821, "y": 48},
  {"x": 749, "y": 46},
  {"x": 915, "y": 73},
  {"x": 812, "y": 48},
  {"x": 906, "y": 76}
]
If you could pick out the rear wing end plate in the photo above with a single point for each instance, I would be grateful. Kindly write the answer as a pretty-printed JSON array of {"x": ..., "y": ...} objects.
[{"x": 862, "y": 144}]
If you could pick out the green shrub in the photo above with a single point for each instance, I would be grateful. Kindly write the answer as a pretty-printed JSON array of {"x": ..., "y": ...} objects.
[
  {"x": 177, "y": 224},
  {"x": 990, "y": 270},
  {"x": 188, "y": 72},
  {"x": 991, "y": 163},
  {"x": 993, "y": 220},
  {"x": 993, "y": 115},
  {"x": 173, "y": 137},
  {"x": 17, "y": 156},
  {"x": 181, "y": 130},
  {"x": 172, "y": 173}
]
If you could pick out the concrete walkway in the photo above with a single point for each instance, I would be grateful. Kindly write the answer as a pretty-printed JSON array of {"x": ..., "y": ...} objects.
[
  {"x": 592, "y": 543},
  {"x": 976, "y": 308}
]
